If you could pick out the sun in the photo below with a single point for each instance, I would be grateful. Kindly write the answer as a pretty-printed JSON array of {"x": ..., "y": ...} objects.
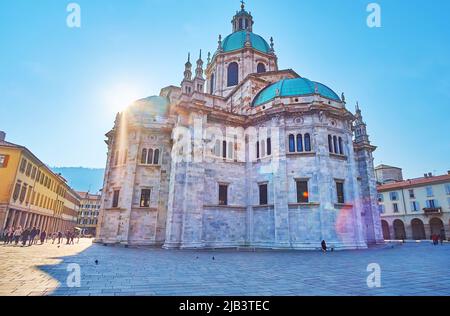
[{"x": 120, "y": 96}]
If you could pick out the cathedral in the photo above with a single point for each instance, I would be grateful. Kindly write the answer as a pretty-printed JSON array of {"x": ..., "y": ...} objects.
[{"x": 241, "y": 154}]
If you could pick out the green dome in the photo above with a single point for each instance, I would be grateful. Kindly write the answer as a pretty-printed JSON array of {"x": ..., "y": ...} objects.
[
  {"x": 294, "y": 87},
  {"x": 236, "y": 41},
  {"x": 153, "y": 105}
]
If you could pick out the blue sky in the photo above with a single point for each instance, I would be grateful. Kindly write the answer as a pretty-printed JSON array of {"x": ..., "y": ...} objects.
[{"x": 60, "y": 87}]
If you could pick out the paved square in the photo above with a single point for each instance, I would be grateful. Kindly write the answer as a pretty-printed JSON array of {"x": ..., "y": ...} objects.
[{"x": 409, "y": 269}]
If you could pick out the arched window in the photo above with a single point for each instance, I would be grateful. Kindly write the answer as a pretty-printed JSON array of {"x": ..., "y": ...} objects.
[
  {"x": 144, "y": 156},
  {"x": 150, "y": 157},
  {"x": 299, "y": 143},
  {"x": 156, "y": 158},
  {"x": 335, "y": 143},
  {"x": 241, "y": 23},
  {"x": 330, "y": 143},
  {"x": 269, "y": 146},
  {"x": 261, "y": 68},
  {"x": 291, "y": 143},
  {"x": 211, "y": 84},
  {"x": 307, "y": 142},
  {"x": 233, "y": 74},
  {"x": 341, "y": 148},
  {"x": 224, "y": 149}
]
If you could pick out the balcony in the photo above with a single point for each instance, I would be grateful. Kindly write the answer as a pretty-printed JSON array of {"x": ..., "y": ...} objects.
[{"x": 433, "y": 210}]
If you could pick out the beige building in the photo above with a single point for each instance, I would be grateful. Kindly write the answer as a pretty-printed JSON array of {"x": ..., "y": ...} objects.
[
  {"x": 88, "y": 213},
  {"x": 388, "y": 174},
  {"x": 31, "y": 194},
  {"x": 415, "y": 209}
]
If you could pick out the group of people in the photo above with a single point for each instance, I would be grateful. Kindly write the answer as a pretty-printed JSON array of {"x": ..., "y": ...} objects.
[
  {"x": 32, "y": 235},
  {"x": 436, "y": 238}
]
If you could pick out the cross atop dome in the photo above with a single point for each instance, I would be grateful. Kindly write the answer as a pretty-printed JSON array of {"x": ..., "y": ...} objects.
[{"x": 243, "y": 20}]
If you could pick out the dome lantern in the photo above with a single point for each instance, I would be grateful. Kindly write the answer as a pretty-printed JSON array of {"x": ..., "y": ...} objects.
[{"x": 243, "y": 20}]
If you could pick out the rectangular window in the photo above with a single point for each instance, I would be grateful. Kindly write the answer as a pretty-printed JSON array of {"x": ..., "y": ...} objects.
[
  {"x": 414, "y": 206},
  {"x": 23, "y": 165},
  {"x": 429, "y": 191},
  {"x": 269, "y": 147},
  {"x": 23, "y": 193},
  {"x": 393, "y": 196},
  {"x": 4, "y": 161},
  {"x": 431, "y": 204},
  {"x": 411, "y": 194},
  {"x": 302, "y": 192},
  {"x": 28, "y": 172},
  {"x": 448, "y": 202},
  {"x": 340, "y": 192},
  {"x": 263, "y": 194},
  {"x": 395, "y": 207},
  {"x": 447, "y": 188},
  {"x": 115, "y": 202},
  {"x": 145, "y": 197},
  {"x": 33, "y": 173},
  {"x": 223, "y": 194},
  {"x": 381, "y": 208},
  {"x": 16, "y": 191}
]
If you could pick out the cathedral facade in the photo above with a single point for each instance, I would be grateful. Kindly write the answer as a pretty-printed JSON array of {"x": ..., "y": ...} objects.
[{"x": 241, "y": 154}]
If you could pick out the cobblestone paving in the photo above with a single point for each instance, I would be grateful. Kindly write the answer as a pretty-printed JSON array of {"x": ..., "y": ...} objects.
[{"x": 409, "y": 269}]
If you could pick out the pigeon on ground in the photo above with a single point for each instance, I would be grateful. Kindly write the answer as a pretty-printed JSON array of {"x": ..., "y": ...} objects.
[{"x": 96, "y": 262}]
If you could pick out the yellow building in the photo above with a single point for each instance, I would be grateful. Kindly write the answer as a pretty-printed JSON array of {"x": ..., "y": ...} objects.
[
  {"x": 31, "y": 194},
  {"x": 88, "y": 214}
]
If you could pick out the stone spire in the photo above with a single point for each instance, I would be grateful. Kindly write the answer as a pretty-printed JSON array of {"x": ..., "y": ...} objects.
[
  {"x": 199, "y": 81},
  {"x": 188, "y": 68},
  {"x": 360, "y": 128},
  {"x": 219, "y": 47},
  {"x": 272, "y": 50},
  {"x": 187, "y": 84},
  {"x": 199, "y": 69}
]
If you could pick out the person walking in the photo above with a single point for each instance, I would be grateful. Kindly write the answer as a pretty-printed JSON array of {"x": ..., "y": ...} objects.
[
  {"x": 324, "y": 246},
  {"x": 8, "y": 235},
  {"x": 38, "y": 235},
  {"x": 33, "y": 234},
  {"x": 60, "y": 235},
  {"x": 25, "y": 236},
  {"x": 72, "y": 236},
  {"x": 43, "y": 236},
  {"x": 17, "y": 233},
  {"x": 442, "y": 236}
]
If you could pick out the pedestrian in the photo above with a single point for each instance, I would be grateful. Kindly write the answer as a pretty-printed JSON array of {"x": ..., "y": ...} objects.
[
  {"x": 11, "y": 235},
  {"x": 435, "y": 239},
  {"x": 72, "y": 236},
  {"x": 32, "y": 236},
  {"x": 324, "y": 246},
  {"x": 68, "y": 237},
  {"x": 38, "y": 235},
  {"x": 25, "y": 236},
  {"x": 43, "y": 235},
  {"x": 442, "y": 236},
  {"x": 7, "y": 235},
  {"x": 60, "y": 235},
  {"x": 17, "y": 233}
]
